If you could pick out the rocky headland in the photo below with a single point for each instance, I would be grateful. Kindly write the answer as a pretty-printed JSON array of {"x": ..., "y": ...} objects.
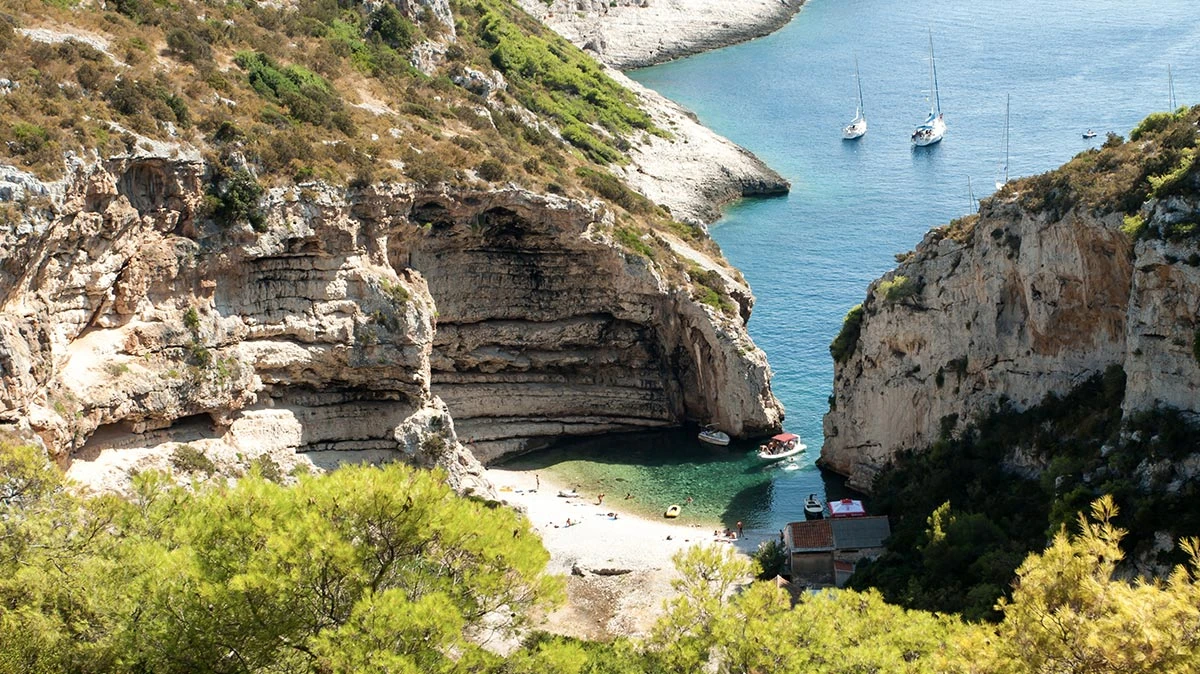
[
  {"x": 1057, "y": 279},
  {"x": 629, "y": 34}
]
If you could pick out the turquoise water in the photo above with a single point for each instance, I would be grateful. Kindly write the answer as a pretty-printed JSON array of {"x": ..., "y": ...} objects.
[{"x": 1069, "y": 65}]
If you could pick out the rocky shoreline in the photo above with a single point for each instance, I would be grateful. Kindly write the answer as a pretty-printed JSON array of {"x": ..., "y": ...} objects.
[
  {"x": 696, "y": 171},
  {"x": 628, "y": 34}
]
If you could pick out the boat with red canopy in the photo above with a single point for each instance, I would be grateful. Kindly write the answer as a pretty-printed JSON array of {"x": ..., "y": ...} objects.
[{"x": 781, "y": 447}]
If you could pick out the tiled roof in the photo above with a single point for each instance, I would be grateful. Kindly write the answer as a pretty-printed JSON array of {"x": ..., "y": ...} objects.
[
  {"x": 812, "y": 536},
  {"x": 859, "y": 532}
]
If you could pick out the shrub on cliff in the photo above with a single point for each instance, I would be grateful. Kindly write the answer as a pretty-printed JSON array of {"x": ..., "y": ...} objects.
[{"x": 843, "y": 346}]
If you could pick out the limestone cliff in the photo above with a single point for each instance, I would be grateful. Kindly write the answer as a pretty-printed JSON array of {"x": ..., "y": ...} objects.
[
  {"x": 132, "y": 321},
  {"x": 1050, "y": 283}
]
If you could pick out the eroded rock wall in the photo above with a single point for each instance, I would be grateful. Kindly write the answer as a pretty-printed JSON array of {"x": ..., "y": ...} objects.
[
  {"x": 1011, "y": 305},
  {"x": 132, "y": 324}
]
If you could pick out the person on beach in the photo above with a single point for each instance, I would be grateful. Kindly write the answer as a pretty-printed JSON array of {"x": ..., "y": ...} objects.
[
  {"x": 628, "y": 495},
  {"x": 537, "y": 481},
  {"x": 600, "y": 499},
  {"x": 739, "y": 526}
]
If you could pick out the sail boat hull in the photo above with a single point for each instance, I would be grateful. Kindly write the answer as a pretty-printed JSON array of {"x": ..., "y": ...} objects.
[
  {"x": 855, "y": 130},
  {"x": 929, "y": 133}
]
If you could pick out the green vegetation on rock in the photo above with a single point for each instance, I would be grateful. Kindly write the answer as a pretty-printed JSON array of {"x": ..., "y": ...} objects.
[
  {"x": 843, "y": 346},
  {"x": 962, "y": 522}
]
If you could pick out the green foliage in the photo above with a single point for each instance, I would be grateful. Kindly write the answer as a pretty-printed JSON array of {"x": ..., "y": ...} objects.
[
  {"x": 614, "y": 189},
  {"x": 1119, "y": 176},
  {"x": 1072, "y": 611},
  {"x": 632, "y": 240},
  {"x": 492, "y": 170},
  {"x": 233, "y": 197},
  {"x": 898, "y": 288},
  {"x": 188, "y": 459},
  {"x": 708, "y": 628},
  {"x": 362, "y": 570},
  {"x": 961, "y": 558},
  {"x": 191, "y": 320},
  {"x": 188, "y": 46},
  {"x": 392, "y": 27},
  {"x": 308, "y": 96},
  {"x": 133, "y": 97},
  {"x": 554, "y": 78},
  {"x": 771, "y": 558},
  {"x": 396, "y": 292},
  {"x": 843, "y": 346},
  {"x": 1134, "y": 226},
  {"x": 709, "y": 288}
]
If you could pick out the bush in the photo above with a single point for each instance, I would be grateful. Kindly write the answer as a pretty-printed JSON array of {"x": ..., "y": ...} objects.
[
  {"x": 188, "y": 46},
  {"x": 898, "y": 288},
  {"x": 772, "y": 559},
  {"x": 632, "y": 240},
  {"x": 843, "y": 346},
  {"x": 614, "y": 189},
  {"x": 392, "y": 28},
  {"x": 491, "y": 170},
  {"x": 236, "y": 196},
  {"x": 188, "y": 459}
]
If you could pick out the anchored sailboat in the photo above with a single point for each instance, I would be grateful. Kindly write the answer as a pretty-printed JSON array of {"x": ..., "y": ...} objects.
[
  {"x": 857, "y": 128},
  {"x": 934, "y": 127},
  {"x": 1002, "y": 183}
]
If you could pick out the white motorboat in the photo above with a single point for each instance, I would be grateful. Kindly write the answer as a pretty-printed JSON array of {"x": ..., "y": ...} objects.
[
  {"x": 934, "y": 127},
  {"x": 781, "y": 447},
  {"x": 857, "y": 128},
  {"x": 812, "y": 507},
  {"x": 1089, "y": 134},
  {"x": 712, "y": 436}
]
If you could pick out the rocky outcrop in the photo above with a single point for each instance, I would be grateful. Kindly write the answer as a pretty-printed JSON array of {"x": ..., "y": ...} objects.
[
  {"x": 691, "y": 170},
  {"x": 131, "y": 323},
  {"x": 1009, "y": 306},
  {"x": 637, "y": 33},
  {"x": 695, "y": 171}
]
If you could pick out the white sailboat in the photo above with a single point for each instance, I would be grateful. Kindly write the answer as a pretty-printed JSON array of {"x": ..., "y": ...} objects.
[
  {"x": 1004, "y": 181},
  {"x": 857, "y": 128},
  {"x": 934, "y": 127}
]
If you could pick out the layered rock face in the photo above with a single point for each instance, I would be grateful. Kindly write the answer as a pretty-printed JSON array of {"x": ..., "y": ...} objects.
[
  {"x": 546, "y": 327},
  {"x": 1011, "y": 305},
  {"x": 131, "y": 325}
]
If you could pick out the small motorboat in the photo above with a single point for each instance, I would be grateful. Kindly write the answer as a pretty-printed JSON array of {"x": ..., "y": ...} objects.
[
  {"x": 812, "y": 508},
  {"x": 1089, "y": 134},
  {"x": 568, "y": 493},
  {"x": 781, "y": 447},
  {"x": 672, "y": 512},
  {"x": 712, "y": 436}
]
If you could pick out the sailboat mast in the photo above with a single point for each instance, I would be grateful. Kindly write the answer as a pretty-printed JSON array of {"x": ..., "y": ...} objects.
[
  {"x": 937, "y": 99},
  {"x": 1007, "y": 103},
  {"x": 858, "y": 80},
  {"x": 1170, "y": 89}
]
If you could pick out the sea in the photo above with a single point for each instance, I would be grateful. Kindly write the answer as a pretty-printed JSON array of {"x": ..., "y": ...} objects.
[{"x": 1065, "y": 67}]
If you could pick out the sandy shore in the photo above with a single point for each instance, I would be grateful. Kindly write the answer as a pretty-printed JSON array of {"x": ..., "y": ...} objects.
[
  {"x": 595, "y": 541},
  {"x": 636, "y": 550}
]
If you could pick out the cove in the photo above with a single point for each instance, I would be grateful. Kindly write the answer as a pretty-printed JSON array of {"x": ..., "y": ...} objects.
[{"x": 1069, "y": 66}]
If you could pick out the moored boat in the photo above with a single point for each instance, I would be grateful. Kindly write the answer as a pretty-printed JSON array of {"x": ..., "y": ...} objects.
[
  {"x": 712, "y": 436},
  {"x": 857, "y": 128},
  {"x": 672, "y": 512},
  {"x": 812, "y": 508},
  {"x": 781, "y": 447},
  {"x": 934, "y": 127}
]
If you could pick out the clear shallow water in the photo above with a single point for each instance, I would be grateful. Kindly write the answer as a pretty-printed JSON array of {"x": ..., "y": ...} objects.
[{"x": 1070, "y": 65}]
